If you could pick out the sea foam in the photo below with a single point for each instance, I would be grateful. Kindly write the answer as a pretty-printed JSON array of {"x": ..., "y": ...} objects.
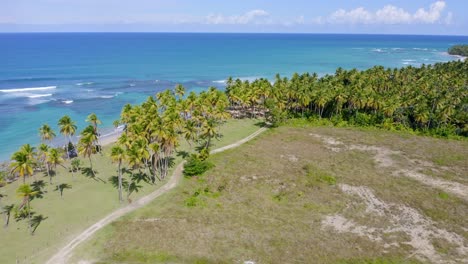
[{"x": 32, "y": 89}]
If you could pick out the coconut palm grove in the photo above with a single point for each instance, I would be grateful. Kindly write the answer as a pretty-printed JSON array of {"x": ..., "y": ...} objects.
[{"x": 429, "y": 100}]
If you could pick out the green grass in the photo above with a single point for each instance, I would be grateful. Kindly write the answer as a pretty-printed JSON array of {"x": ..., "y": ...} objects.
[
  {"x": 265, "y": 201},
  {"x": 84, "y": 204}
]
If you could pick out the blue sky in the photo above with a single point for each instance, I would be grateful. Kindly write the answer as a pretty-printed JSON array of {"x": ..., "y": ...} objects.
[{"x": 331, "y": 16}]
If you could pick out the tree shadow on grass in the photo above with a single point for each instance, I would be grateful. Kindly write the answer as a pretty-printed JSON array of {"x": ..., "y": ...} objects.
[
  {"x": 90, "y": 173},
  {"x": 262, "y": 124},
  {"x": 38, "y": 187},
  {"x": 183, "y": 154},
  {"x": 61, "y": 187},
  {"x": 36, "y": 221}
]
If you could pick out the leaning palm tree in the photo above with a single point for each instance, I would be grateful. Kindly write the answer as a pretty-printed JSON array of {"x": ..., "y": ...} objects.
[
  {"x": 68, "y": 129},
  {"x": 46, "y": 133},
  {"x": 118, "y": 155},
  {"x": 23, "y": 164},
  {"x": 26, "y": 192}
]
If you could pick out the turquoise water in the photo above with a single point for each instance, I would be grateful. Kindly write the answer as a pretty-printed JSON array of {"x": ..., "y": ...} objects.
[{"x": 44, "y": 76}]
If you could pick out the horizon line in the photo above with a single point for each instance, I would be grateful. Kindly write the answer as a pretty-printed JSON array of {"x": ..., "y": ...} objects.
[{"x": 221, "y": 32}]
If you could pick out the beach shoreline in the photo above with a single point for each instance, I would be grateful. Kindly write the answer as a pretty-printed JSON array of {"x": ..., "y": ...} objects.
[{"x": 109, "y": 138}]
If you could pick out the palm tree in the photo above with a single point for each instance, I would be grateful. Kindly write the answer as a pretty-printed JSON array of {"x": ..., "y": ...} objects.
[
  {"x": 68, "y": 129},
  {"x": 118, "y": 155},
  {"x": 26, "y": 192},
  {"x": 22, "y": 164},
  {"x": 86, "y": 145},
  {"x": 43, "y": 154},
  {"x": 46, "y": 133},
  {"x": 93, "y": 119},
  {"x": 54, "y": 158}
]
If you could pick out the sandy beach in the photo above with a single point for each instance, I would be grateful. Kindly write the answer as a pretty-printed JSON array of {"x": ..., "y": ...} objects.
[{"x": 109, "y": 138}]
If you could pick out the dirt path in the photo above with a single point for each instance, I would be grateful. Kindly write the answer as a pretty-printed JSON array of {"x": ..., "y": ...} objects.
[{"x": 64, "y": 253}]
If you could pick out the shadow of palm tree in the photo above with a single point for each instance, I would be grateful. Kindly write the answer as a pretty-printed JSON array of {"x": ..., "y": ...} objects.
[
  {"x": 36, "y": 221},
  {"x": 183, "y": 154},
  {"x": 62, "y": 187},
  {"x": 38, "y": 187},
  {"x": 90, "y": 173}
]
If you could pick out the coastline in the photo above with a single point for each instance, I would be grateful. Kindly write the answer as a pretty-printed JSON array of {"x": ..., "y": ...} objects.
[{"x": 110, "y": 138}]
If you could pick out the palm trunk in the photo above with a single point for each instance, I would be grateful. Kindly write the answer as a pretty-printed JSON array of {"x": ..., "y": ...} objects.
[
  {"x": 48, "y": 173},
  {"x": 120, "y": 182},
  {"x": 7, "y": 219},
  {"x": 29, "y": 217},
  {"x": 68, "y": 154},
  {"x": 91, "y": 165}
]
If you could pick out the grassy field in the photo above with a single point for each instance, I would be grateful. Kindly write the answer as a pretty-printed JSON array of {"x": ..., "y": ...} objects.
[
  {"x": 87, "y": 201},
  {"x": 306, "y": 195}
]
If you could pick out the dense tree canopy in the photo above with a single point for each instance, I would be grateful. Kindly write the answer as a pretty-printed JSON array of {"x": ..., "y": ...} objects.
[
  {"x": 461, "y": 50},
  {"x": 431, "y": 98}
]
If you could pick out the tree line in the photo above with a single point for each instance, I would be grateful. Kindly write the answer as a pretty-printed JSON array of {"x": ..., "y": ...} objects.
[
  {"x": 461, "y": 50},
  {"x": 430, "y": 99}
]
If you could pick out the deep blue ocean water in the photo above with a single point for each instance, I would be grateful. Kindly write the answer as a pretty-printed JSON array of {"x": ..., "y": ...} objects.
[{"x": 46, "y": 75}]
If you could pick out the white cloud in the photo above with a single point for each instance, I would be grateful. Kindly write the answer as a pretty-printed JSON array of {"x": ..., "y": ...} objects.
[
  {"x": 389, "y": 14},
  {"x": 257, "y": 16},
  {"x": 355, "y": 16},
  {"x": 431, "y": 16}
]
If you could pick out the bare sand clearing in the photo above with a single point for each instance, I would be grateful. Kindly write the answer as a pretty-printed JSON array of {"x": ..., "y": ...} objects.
[
  {"x": 383, "y": 158},
  {"x": 420, "y": 230}
]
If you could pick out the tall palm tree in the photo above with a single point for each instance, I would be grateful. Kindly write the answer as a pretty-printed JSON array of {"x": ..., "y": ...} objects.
[
  {"x": 118, "y": 155},
  {"x": 86, "y": 145},
  {"x": 68, "y": 129},
  {"x": 46, "y": 133},
  {"x": 27, "y": 193},
  {"x": 54, "y": 158},
  {"x": 43, "y": 154},
  {"x": 93, "y": 119}
]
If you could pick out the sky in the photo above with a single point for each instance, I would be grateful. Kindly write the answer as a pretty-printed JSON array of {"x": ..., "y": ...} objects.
[{"x": 428, "y": 17}]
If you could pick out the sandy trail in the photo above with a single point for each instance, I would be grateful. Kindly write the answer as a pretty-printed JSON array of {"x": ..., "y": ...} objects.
[{"x": 64, "y": 253}]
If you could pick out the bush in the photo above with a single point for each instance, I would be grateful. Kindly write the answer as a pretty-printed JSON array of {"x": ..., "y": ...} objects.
[
  {"x": 2, "y": 178},
  {"x": 195, "y": 166}
]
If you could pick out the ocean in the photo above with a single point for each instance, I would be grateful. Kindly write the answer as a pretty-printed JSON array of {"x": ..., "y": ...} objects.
[{"x": 44, "y": 76}]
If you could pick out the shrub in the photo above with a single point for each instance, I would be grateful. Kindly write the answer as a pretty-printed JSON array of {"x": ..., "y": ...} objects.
[{"x": 195, "y": 166}]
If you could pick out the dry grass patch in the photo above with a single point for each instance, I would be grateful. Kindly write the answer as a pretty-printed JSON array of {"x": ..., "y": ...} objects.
[{"x": 269, "y": 202}]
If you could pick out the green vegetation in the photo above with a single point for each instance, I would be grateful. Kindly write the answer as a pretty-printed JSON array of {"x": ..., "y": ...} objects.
[
  {"x": 89, "y": 200},
  {"x": 461, "y": 50},
  {"x": 432, "y": 99},
  {"x": 267, "y": 201},
  {"x": 173, "y": 126},
  {"x": 196, "y": 166}
]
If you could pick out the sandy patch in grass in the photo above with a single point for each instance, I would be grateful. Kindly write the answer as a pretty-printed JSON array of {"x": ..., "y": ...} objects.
[
  {"x": 420, "y": 230},
  {"x": 383, "y": 158}
]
